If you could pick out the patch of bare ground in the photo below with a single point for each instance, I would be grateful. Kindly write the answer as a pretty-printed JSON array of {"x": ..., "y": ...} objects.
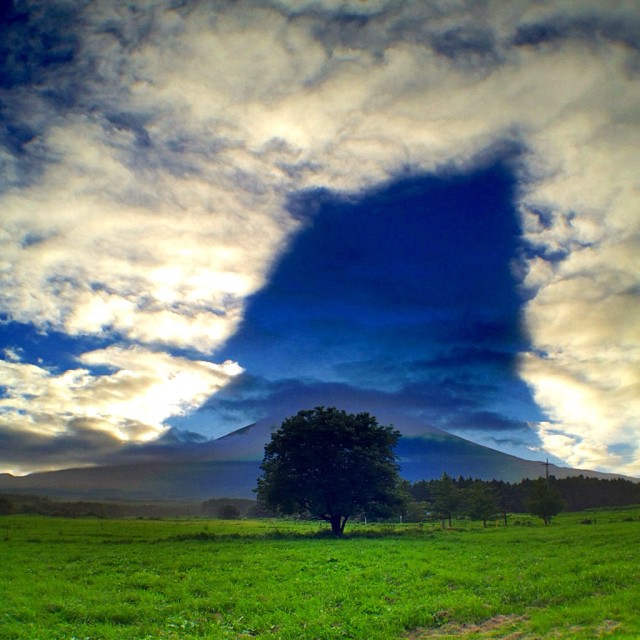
[
  {"x": 606, "y": 628},
  {"x": 503, "y": 627},
  {"x": 500, "y": 626}
]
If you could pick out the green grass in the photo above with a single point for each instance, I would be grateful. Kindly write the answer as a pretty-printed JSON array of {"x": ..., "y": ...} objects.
[{"x": 134, "y": 579}]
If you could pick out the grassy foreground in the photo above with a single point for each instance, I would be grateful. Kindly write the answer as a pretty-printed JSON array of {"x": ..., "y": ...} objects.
[{"x": 134, "y": 579}]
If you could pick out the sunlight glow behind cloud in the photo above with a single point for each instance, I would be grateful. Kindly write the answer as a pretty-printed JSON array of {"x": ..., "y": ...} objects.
[
  {"x": 160, "y": 200},
  {"x": 131, "y": 403}
]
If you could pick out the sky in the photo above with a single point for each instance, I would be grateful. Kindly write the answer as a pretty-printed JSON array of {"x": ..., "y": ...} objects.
[{"x": 214, "y": 213}]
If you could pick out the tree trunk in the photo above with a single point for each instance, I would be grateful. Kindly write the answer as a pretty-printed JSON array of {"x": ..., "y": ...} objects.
[{"x": 337, "y": 527}]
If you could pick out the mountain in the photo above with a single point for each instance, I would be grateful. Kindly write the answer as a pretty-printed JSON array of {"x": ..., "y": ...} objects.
[{"x": 229, "y": 466}]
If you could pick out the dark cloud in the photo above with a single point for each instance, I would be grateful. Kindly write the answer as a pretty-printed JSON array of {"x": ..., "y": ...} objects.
[
  {"x": 38, "y": 44},
  {"x": 36, "y": 41},
  {"x": 249, "y": 400},
  {"x": 136, "y": 123},
  {"x": 592, "y": 28},
  {"x": 84, "y": 443},
  {"x": 470, "y": 356},
  {"x": 81, "y": 445},
  {"x": 488, "y": 421},
  {"x": 468, "y": 44},
  {"x": 452, "y": 402}
]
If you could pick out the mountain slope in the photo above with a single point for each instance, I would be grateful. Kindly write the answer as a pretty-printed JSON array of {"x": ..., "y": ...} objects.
[{"x": 228, "y": 467}]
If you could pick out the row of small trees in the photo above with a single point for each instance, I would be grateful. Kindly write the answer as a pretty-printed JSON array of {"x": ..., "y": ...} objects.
[
  {"x": 447, "y": 498},
  {"x": 480, "y": 499}
]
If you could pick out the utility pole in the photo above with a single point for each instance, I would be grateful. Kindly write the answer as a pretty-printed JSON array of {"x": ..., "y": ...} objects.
[{"x": 546, "y": 470}]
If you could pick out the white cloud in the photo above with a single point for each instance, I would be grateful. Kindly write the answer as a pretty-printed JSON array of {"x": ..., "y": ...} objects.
[
  {"x": 160, "y": 207},
  {"x": 584, "y": 316},
  {"x": 81, "y": 256},
  {"x": 131, "y": 403},
  {"x": 13, "y": 354}
]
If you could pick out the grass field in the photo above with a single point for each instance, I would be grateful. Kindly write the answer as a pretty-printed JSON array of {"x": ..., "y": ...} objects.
[{"x": 133, "y": 579}]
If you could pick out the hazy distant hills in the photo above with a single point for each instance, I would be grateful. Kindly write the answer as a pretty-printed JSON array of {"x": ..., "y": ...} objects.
[{"x": 228, "y": 467}]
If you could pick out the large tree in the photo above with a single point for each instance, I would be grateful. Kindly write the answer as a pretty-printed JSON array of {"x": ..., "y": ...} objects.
[{"x": 331, "y": 465}]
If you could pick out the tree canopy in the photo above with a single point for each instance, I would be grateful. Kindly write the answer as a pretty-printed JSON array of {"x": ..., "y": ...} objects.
[
  {"x": 544, "y": 500},
  {"x": 446, "y": 499},
  {"x": 331, "y": 465}
]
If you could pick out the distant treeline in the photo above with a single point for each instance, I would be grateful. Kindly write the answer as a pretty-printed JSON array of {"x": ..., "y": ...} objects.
[
  {"x": 443, "y": 498},
  {"x": 478, "y": 498},
  {"x": 88, "y": 509},
  {"x": 39, "y": 505}
]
